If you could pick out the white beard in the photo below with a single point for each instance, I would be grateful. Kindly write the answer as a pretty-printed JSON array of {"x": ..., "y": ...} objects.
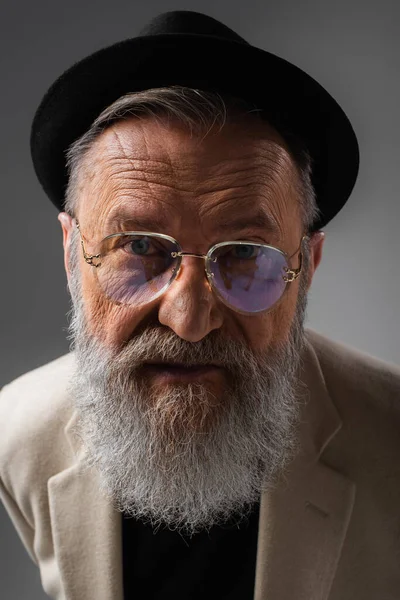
[{"x": 178, "y": 456}]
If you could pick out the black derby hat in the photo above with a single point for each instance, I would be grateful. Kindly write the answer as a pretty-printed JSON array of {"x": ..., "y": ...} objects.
[{"x": 191, "y": 49}]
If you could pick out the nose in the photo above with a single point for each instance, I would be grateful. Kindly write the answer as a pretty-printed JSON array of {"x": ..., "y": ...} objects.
[{"x": 189, "y": 307}]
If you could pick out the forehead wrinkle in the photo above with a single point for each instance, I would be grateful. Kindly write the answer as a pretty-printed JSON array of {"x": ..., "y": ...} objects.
[
  {"x": 254, "y": 186},
  {"x": 142, "y": 183},
  {"x": 142, "y": 166},
  {"x": 218, "y": 215},
  {"x": 260, "y": 153},
  {"x": 255, "y": 190},
  {"x": 168, "y": 164},
  {"x": 124, "y": 183},
  {"x": 149, "y": 170},
  {"x": 273, "y": 175},
  {"x": 114, "y": 188}
]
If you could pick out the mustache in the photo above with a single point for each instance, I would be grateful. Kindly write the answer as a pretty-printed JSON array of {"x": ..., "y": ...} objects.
[{"x": 158, "y": 345}]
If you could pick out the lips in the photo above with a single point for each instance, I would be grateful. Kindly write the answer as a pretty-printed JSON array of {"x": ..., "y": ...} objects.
[{"x": 179, "y": 370}]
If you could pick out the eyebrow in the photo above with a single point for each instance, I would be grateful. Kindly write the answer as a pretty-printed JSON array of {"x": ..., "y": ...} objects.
[
  {"x": 260, "y": 220},
  {"x": 131, "y": 222}
]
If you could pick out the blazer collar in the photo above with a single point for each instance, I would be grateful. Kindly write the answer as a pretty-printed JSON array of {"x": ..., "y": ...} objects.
[{"x": 303, "y": 522}]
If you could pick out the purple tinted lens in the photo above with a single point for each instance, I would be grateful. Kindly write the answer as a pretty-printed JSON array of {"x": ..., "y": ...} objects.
[
  {"x": 138, "y": 269},
  {"x": 248, "y": 277}
]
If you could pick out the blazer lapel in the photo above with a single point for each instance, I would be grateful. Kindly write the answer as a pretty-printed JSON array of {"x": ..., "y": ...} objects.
[
  {"x": 303, "y": 522},
  {"x": 87, "y": 534}
]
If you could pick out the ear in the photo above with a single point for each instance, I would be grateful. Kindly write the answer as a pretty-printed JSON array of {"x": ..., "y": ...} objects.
[
  {"x": 316, "y": 243},
  {"x": 67, "y": 224}
]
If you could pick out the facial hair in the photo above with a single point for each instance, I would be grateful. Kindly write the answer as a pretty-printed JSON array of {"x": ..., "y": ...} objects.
[{"x": 178, "y": 455}]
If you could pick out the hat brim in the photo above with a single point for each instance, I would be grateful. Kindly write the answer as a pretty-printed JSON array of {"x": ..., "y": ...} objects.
[{"x": 290, "y": 96}]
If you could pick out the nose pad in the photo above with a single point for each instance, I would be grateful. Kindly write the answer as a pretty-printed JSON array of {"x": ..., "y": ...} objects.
[
  {"x": 178, "y": 271},
  {"x": 209, "y": 278}
]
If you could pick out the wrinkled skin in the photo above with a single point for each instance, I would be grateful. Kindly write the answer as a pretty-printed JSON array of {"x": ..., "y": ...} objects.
[{"x": 189, "y": 188}]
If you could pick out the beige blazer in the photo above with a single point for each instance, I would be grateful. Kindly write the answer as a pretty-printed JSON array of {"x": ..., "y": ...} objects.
[{"x": 331, "y": 531}]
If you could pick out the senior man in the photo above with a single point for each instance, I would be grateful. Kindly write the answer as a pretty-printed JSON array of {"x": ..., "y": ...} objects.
[{"x": 198, "y": 442}]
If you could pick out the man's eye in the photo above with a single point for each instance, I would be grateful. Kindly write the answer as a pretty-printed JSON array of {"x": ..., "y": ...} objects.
[
  {"x": 139, "y": 247},
  {"x": 244, "y": 251},
  {"x": 143, "y": 246}
]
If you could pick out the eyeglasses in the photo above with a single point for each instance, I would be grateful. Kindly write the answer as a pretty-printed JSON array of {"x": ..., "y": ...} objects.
[{"x": 136, "y": 267}]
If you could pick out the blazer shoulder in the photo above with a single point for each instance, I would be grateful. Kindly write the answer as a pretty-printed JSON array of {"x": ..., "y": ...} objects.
[
  {"x": 34, "y": 409},
  {"x": 349, "y": 372},
  {"x": 32, "y": 390}
]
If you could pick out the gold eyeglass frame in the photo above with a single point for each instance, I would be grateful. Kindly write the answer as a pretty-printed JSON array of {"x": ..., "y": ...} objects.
[{"x": 291, "y": 274}]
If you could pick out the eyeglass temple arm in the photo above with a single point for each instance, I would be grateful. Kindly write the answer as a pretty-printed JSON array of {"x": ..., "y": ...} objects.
[
  {"x": 292, "y": 274},
  {"x": 88, "y": 257}
]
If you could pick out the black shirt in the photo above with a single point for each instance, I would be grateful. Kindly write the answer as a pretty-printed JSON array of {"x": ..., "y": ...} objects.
[{"x": 219, "y": 564}]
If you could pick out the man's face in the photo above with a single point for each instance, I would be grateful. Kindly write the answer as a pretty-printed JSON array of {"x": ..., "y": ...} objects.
[
  {"x": 235, "y": 184},
  {"x": 191, "y": 189}
]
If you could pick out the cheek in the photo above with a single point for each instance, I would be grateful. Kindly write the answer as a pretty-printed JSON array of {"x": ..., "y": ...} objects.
[
  {"x": 272, "y": 328},
  {"x": 108, "y": 322}
]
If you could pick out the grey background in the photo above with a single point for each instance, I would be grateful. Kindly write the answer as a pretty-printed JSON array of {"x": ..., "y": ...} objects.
[{"x": 351, "y": 47}]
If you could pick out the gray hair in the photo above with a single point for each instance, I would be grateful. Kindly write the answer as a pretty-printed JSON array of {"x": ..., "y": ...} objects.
[{"x": 200, "y": 111}]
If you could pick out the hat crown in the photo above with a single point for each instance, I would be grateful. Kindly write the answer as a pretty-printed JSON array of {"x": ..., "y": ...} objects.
[{"x": 189, "y": 22}]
